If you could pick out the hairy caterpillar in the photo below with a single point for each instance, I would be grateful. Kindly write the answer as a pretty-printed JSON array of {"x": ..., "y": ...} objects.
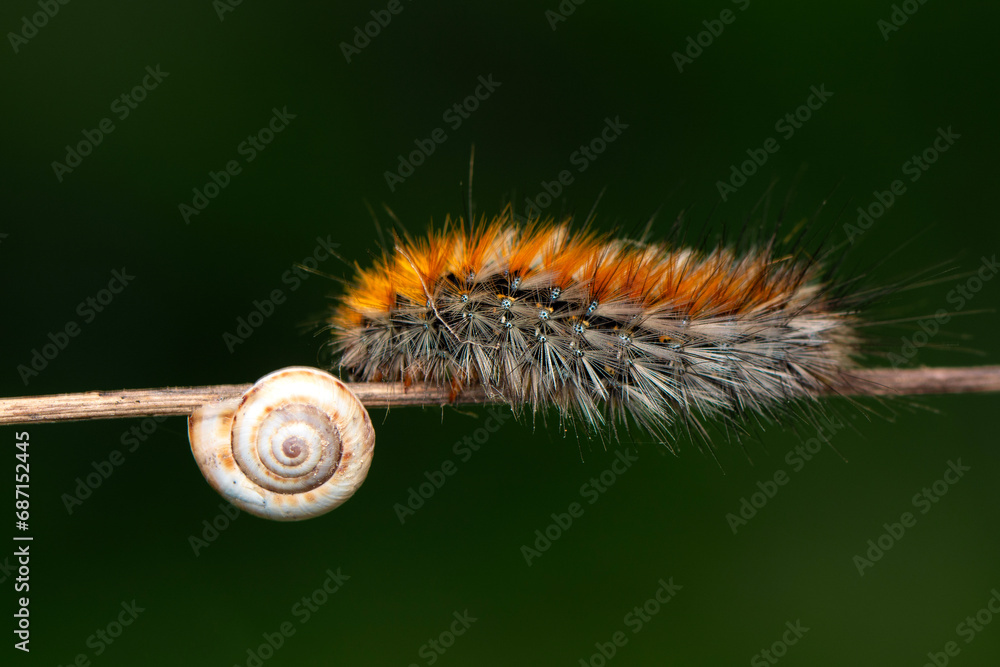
[
  {"x": 611, "y": 331},
  {"x": 604, "y": 328}
]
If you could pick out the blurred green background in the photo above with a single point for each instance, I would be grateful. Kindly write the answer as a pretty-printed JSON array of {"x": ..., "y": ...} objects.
[{"x": 666, "y": 516}]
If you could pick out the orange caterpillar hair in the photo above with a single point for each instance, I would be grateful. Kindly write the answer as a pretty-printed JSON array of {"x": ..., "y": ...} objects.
[{"x": 604, "y": 328}]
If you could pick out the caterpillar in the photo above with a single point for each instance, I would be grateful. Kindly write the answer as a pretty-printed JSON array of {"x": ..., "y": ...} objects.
[
  {"x": 611, "y": 330},
  {"x": 607, "y": 329}
]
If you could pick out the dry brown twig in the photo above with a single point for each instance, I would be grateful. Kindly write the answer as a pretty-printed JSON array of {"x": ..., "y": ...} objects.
[{"x": 183, "y": 400}]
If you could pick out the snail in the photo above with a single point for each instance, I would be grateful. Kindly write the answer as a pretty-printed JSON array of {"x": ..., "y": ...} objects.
[{"x": 297, "y": 444}]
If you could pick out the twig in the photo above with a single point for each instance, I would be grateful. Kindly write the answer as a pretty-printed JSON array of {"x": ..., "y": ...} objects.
[
  {"x": 912, "y": 381},
  {"x": 183, "y": 400}
]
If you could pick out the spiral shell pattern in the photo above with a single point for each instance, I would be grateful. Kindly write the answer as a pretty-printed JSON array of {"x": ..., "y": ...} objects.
[{"x": 297, "y": 444}]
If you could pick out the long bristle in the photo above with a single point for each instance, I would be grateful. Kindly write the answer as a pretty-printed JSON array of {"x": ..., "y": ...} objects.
[{"x": 609, "y": 330}]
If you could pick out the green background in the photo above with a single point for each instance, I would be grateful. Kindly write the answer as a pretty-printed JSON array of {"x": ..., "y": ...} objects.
[{"x": 666, "y": 516}]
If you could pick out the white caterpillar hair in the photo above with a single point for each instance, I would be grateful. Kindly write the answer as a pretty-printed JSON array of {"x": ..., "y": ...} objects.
[{"x": 606, "y": 329}]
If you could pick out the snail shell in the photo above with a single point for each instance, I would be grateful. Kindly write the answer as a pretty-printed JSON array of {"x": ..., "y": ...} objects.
[{"x": 297, "y": 444}]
